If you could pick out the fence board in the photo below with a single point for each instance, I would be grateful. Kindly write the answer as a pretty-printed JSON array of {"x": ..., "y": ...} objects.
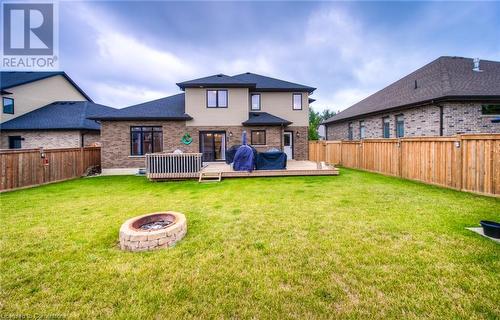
[
  {"x": 25, "y": 167},
  {"x": 466, "y": 162}
]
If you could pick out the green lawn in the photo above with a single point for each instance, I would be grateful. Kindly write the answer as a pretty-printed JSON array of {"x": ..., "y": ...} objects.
[{"x": 359, "y": 245}]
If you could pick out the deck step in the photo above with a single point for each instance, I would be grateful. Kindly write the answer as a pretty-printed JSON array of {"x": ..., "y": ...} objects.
[{"x": 210, "y": 176}]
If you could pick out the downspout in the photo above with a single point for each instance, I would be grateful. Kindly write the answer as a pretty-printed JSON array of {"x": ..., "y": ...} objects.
[
  {"x": 441, "y": 120},
  {"x": 281, "y": 138},
  {"x": 82, "y": 137}
]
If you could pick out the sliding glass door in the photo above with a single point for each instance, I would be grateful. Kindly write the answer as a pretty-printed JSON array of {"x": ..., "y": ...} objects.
[{"x": 213, "y": 145}]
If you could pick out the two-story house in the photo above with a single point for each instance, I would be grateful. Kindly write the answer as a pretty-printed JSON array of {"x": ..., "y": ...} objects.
[
  {"x": 209, "y": 117},
  {"x": 45, "y": 109}
]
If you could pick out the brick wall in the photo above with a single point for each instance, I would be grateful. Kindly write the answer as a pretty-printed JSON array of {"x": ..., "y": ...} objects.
[
  {"x": 420, "y": 122},
  {"x": 48, "y": 139},
  {"x": 466, "y": 118},
  {"x": 91, "y": 139},
  {"x": 115, "y": 140}
]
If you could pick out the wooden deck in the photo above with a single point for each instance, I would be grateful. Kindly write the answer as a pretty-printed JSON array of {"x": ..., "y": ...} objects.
[{"x": 294, "y": 168}]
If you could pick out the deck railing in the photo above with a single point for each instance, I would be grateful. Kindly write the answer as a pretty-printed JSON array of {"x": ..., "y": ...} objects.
[{"x": 173, "y": 165}]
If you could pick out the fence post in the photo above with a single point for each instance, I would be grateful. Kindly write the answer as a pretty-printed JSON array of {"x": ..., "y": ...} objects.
[
  {"x": 400, "y": 157},
  {"x": 82, "y": 162},
  {"x": 461, "y": 160},
  {"x": 361, "y": 160}
]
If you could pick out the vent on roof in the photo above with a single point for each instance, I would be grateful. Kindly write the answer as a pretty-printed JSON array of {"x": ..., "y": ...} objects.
[
  {"x": 219, "y": 75},
  {"x": 476, "y": 65}
]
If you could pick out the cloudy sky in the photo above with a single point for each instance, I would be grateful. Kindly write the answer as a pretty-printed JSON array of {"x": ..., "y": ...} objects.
[{"x": 123, "y": 53}]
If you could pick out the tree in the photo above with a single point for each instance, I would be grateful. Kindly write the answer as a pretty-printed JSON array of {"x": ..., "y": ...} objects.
[{"x": 315, "y": 119}]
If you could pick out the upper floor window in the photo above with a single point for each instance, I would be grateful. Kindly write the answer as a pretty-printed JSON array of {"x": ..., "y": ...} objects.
[
  {"x": 255, "y": 97},
  {"x": 216, "y": 98},
  {"x": 145, "y": 140},
  {"x": 8, "y": 105},
  {"x": 297, "y": 101},
  {"x": 362, "y": 129},
  {"x": 490, "y": 110},
  {"x": 350, "y": 135},
  {"x": 386, "y": 133},
  {"x": 400, "y": 126},
  {"x": 258, "y": 137}
]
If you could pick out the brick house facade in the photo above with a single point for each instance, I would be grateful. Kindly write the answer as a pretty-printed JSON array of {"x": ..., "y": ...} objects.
[
  {"x": 276, "y": 111},
  {"x": 456, "y": 118},
  {"x": 52, "y": 139},
  {"x": 444, "y": 98},
  {"x": 45, "y": 109},
  {"x": 116, "y": 140}
]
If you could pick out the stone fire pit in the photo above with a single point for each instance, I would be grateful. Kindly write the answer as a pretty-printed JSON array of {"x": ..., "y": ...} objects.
[{"x": 152, "y": 231}]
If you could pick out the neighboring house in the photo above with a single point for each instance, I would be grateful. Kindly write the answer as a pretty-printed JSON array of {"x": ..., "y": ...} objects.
[
  {"x": 322, "y": 132},
  {"x": 209, "y": 117},
  {"x": 450, "y": 95},
  {"x": 34, "y": 112},
  {"x": 61, "y": 124}
]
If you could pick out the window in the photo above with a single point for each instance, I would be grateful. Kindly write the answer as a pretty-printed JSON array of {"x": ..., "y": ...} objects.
[
  {"x": 488, "y": 110},
  {"x": 15, "y": 142},
  {"x": 8, "y": 105},
  {"x": 400, "y": 126},
  {"x": 349, "y": 131},
  {"x": 258, "y": 137},
  {"x": 385, "y": 127},
  {"x": 145, "y": 140},
  {"x": 297, "y": 101},
  {"x": 255, "y": 101},
  {"x": 216, "y": 98},
  {"x": 362, "y": 129}
]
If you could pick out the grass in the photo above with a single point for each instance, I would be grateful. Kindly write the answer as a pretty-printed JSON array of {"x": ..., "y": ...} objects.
[{"x": 359, "y": 245}]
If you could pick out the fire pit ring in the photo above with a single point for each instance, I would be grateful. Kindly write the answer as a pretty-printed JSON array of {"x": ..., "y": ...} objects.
[{"x": 152, "y": 231}]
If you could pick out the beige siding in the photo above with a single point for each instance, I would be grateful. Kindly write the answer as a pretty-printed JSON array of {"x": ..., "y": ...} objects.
[
  {"x": 280, "y": 104},
  {"x": 31, "y": 96},
  {"x": 276, "y": 103},
  {"x": 233, "y": 115}
]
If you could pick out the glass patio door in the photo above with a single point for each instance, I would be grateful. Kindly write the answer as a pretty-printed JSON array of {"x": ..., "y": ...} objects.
[{"x": 213, "y": 145}]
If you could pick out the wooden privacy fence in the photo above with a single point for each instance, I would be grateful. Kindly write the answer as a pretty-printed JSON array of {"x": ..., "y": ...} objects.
[
  {"x": 465, "y": 162},
  {"x": 31, "y": 167}
]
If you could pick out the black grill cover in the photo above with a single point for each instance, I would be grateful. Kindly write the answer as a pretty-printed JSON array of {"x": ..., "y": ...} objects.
[{"x": 271, "y": 161}]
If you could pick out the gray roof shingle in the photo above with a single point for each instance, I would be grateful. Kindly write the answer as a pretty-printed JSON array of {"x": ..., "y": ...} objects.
[
  {"x": 245, "y": 80},
  {"x": 218, "y": 80},
  {"x": 265, "y": 119},
  {"x": 443, "y": 78},
  {"x": 9, "y": 79},
  {"x": 263, "y": 83},
  {"x": 67, "y": 115},
  {"x": 168, "y": 108}
]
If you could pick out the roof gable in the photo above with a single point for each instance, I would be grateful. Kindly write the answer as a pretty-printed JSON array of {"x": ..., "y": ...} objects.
[{"x": 9, "y": 79}]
